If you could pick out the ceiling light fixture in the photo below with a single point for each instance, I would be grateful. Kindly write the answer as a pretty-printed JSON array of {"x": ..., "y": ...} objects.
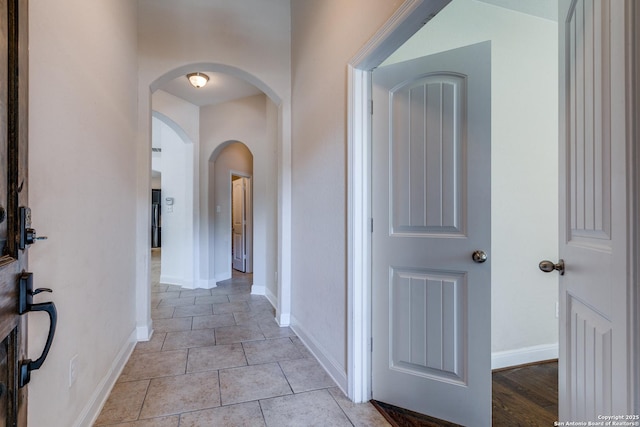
[{"x": 198, "y": 80}]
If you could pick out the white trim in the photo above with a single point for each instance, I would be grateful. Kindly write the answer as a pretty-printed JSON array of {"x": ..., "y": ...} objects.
[
  {"x": 359, "y": 241},
  {"x": 283, "y": 320},
  {"x": 633, "y": 84},
  {"x": 207, "y": 283},
  {"x": 523, "y": 356},
  {"x": 223, "y": 276},
  {"x": 144, "y": 333},
  {"x": 177, "y": 281},
  {"x": 258, "y": 290},
  {"x": 97, "y": 400},
  {"x": 271, "y": 297},
  {"x": 328, "y": 363},
  {"x": 407, "y": 19},
  {"x": 284, "y": 268}
]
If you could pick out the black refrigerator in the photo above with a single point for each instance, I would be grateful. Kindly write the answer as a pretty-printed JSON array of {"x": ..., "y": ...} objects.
[{"x": 156, "y": 224}]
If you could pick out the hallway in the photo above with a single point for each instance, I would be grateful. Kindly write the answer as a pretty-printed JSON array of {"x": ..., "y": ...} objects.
[{"x": 217, "y": 357}]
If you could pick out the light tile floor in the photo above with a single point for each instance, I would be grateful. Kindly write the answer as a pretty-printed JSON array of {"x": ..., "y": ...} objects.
[{"x": 217, "y": 358}]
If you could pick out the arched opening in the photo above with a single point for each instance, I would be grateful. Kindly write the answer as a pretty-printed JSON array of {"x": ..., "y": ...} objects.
[
  {"x": 230, "y": 207},
  {"x": 253, "y": 116}
]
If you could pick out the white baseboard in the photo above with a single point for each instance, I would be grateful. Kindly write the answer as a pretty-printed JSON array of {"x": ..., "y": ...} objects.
[
  {"x": 92, "y": 409},
  {"x": 223, "y": 276},
  {"x": 282, "y": 319},
  {"x": 144, "y": 333},
  {"x": 271, "y": 297},
  {"x": 330, "y": 365},
  {"x": 522, "y": 356},
  {"x": 207, "y": 283},
  {"x": 178, "y": 281},
  {"x": 258, "y": 290}
]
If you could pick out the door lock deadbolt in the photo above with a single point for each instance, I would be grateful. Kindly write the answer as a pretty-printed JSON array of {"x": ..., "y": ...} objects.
[{"x": 27, "y": 234}]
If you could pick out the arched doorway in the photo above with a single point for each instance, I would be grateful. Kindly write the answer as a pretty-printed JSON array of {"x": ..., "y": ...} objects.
[
  {"x": 270, "y": 241},
  {"x": 230, "y": 169}
]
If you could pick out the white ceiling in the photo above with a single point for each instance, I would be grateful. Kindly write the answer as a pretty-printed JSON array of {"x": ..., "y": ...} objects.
[
  {"x": 220, "y": 88},
  {"x": 547, "y": 9},
  {"x": 224, "y": 87}
]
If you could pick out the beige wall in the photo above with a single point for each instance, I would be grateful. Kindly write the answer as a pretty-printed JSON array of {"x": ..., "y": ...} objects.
[
  {"x": 83, "y": 90},
  {"x": 325, "y": 35}
]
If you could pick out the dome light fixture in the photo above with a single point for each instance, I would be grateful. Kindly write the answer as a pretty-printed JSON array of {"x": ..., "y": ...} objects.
[{"x": 198, "y": 80}]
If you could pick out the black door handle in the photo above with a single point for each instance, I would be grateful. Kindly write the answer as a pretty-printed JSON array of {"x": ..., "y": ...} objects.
[
  {"x": 25, "y": 305},
  {"x": 28, "y": 365}
]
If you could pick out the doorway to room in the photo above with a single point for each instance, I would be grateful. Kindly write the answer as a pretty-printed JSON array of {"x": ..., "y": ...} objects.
[
  {"x": 511, "y": 146},
  {"x": 241, "y": 224},
  {"x": 231, "y": 202}
]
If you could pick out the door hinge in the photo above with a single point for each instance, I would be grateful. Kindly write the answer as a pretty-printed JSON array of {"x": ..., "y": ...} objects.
[
  {"x": 371, "y": 345},
  {"x": 371, "y": 107},
  {"x": 372, "y": 225}
]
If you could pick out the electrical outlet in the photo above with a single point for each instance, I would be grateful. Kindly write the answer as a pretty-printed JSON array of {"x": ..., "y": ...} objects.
[{"x": 73, "y": 370}]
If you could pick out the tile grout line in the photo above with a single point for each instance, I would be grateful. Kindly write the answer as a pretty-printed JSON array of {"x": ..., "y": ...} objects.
[
  {"x": 341, "y": 408},
  {"x": 146, "y": 392}
]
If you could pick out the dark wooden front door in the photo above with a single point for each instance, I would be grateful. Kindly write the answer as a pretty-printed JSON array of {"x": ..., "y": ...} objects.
[{"x": 13, "y": 194}]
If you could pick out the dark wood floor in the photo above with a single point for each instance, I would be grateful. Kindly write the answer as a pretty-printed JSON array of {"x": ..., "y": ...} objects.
[
  {"x": 526, "y": 396},
  {"x": 522, "y": 396}
]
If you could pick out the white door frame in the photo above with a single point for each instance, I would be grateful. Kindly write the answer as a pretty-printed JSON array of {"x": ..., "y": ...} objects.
[
  {"x": 632, "y": 47},
  {"x": 634, "y": 206},
  {"x": 408, "y": 19}
]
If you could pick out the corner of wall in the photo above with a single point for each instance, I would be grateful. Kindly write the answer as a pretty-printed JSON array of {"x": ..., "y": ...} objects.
[
  {"x": 259, "y": 290},
  {"x": 96, "y": 401},
  {"x": 144, "y": 332},
  {"x": 523, "y": 356},
  {"x": 328, "y": 363}
]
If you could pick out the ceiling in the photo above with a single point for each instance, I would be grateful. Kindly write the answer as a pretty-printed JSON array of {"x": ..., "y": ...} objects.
[
  {"x": 220, "y": 88},
  {"x": 547, "y": 9},
  {"x": 224, "y": 87}
]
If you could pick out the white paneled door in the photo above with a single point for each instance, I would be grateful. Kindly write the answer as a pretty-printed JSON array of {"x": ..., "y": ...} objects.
[
  {"x": 239, "y": 224},
  {"x": 431, "y": 301},
  {"x": 595, "y": 352}
]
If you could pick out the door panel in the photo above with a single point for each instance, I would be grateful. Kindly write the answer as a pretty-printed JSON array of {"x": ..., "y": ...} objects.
[
  {"x": 433, "y": 344},
  {"x": 594, "y": 347},
  {"x": 431, "y": 210},
  {"x": 13, "y": 194},
  {"x": 427, "y": 142}
]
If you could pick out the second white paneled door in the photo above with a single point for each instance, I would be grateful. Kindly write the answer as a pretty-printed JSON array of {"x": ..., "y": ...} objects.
[{"x": 431, "y": 201}]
